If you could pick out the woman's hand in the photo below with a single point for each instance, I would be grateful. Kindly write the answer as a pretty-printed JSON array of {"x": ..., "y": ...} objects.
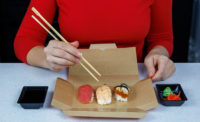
[
  {"x": 60, "y": 55},
  {"x": 158, "y": 65}
]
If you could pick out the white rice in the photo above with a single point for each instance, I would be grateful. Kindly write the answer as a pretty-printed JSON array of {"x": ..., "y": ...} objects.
[
  {"x": 92, "y": 98},
  {"x": 102, "y": 102},
  {"x": 119, "y": 98}
]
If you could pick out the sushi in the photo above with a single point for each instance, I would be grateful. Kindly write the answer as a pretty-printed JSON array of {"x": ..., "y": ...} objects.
[
  {"x": 103, "y": 95},
  {"x": 85, "y": 94},
  {"x": 121, "y": 92}
]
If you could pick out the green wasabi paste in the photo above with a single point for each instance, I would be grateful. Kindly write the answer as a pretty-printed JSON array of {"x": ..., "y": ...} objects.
[{"x": 167, "y": 91}]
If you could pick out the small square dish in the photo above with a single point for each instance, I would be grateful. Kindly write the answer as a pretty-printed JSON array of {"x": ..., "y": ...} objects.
[
  {"x": 175, "y": 89},
  {"x": 32, "y": 97}
]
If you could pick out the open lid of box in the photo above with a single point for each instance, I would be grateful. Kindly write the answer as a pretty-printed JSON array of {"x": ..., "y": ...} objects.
[
  {"x": 109, "y": 62},
  {"x": 117, "y": 65}
]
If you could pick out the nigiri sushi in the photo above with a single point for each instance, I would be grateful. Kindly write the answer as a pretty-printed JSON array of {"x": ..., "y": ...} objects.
[
  {"x": 103, "y": 95},
  {"x": 85, "y": 94},
  {"x": 121, "y": 92}
]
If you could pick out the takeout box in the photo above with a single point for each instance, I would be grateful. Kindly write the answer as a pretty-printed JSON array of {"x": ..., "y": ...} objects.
[{"x": 117, "y": 65}]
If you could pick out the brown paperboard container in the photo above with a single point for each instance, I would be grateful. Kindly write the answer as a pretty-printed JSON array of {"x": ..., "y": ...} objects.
[{"x": 117, "y": 65}]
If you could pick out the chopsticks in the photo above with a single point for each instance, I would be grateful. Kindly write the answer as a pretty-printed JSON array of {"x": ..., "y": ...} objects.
[{"x": 64, "y": 40}]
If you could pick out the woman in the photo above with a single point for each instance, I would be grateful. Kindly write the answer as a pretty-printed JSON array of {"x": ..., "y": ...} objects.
[{"x": 126, "y": 23}]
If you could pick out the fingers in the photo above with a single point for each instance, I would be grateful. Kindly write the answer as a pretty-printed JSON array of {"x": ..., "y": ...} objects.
[
  {"x": 165, "y": 68},
  {"x": 60, "y": 55},
  {"x": 56, "y": 67},
  {"x": 162, "y": 63},
  {"x": 149, "y": 63},
  {"x": 66, "y": 47},
  {"x": 171, "y": 68},
  {"x": 75, "y": 44},
  {"x": 59, "y": 61}
]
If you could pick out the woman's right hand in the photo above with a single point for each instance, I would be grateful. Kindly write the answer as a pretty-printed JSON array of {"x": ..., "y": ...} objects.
[{"x": 60, "y": 55}]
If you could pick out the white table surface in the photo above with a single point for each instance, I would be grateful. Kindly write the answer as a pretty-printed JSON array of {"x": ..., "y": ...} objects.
[{"x": 13, "y": 76}]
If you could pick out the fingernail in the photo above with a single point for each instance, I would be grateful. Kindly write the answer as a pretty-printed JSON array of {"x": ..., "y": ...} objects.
[
  {"x": 79, "y": 54},
  {"x": 151, "y": 75},
  {"x": 78, "y": 60}
]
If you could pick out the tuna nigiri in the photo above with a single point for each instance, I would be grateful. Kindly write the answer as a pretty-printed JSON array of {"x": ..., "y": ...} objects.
[{"x": 85, "y": 94}]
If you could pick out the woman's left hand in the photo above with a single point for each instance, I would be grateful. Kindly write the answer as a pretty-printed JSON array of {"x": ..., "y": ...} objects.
[{"x": 158, "y": 65}]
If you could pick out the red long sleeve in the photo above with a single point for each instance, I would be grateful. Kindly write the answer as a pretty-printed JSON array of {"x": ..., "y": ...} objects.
[
  {"x": 126, "y": 23},
  {"x": 30, "y": 33},
  {"x": 161, "y": 25}
]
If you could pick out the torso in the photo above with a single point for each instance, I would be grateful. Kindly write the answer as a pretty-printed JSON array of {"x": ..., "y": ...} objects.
[{"x": 125, "y": 23}]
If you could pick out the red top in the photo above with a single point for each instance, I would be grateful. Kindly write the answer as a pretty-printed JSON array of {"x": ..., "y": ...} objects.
[{"x": 126, "y": 23}]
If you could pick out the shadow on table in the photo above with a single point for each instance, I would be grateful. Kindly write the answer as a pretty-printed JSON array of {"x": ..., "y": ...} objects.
[{"x": 48, "y": 100}]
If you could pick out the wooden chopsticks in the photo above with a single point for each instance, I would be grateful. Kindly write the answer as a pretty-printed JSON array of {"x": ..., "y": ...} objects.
[{"x": 64, "y": 40}]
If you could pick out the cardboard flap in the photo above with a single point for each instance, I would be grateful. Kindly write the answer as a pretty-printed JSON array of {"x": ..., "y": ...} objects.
[
  {"x": 63, "y": 94},
  {"x": 145, "y": 95},
  {"x": 109, "y": 62},
  {"x": 94, "y": 112},
  {"x": 117, "y": 65}
]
